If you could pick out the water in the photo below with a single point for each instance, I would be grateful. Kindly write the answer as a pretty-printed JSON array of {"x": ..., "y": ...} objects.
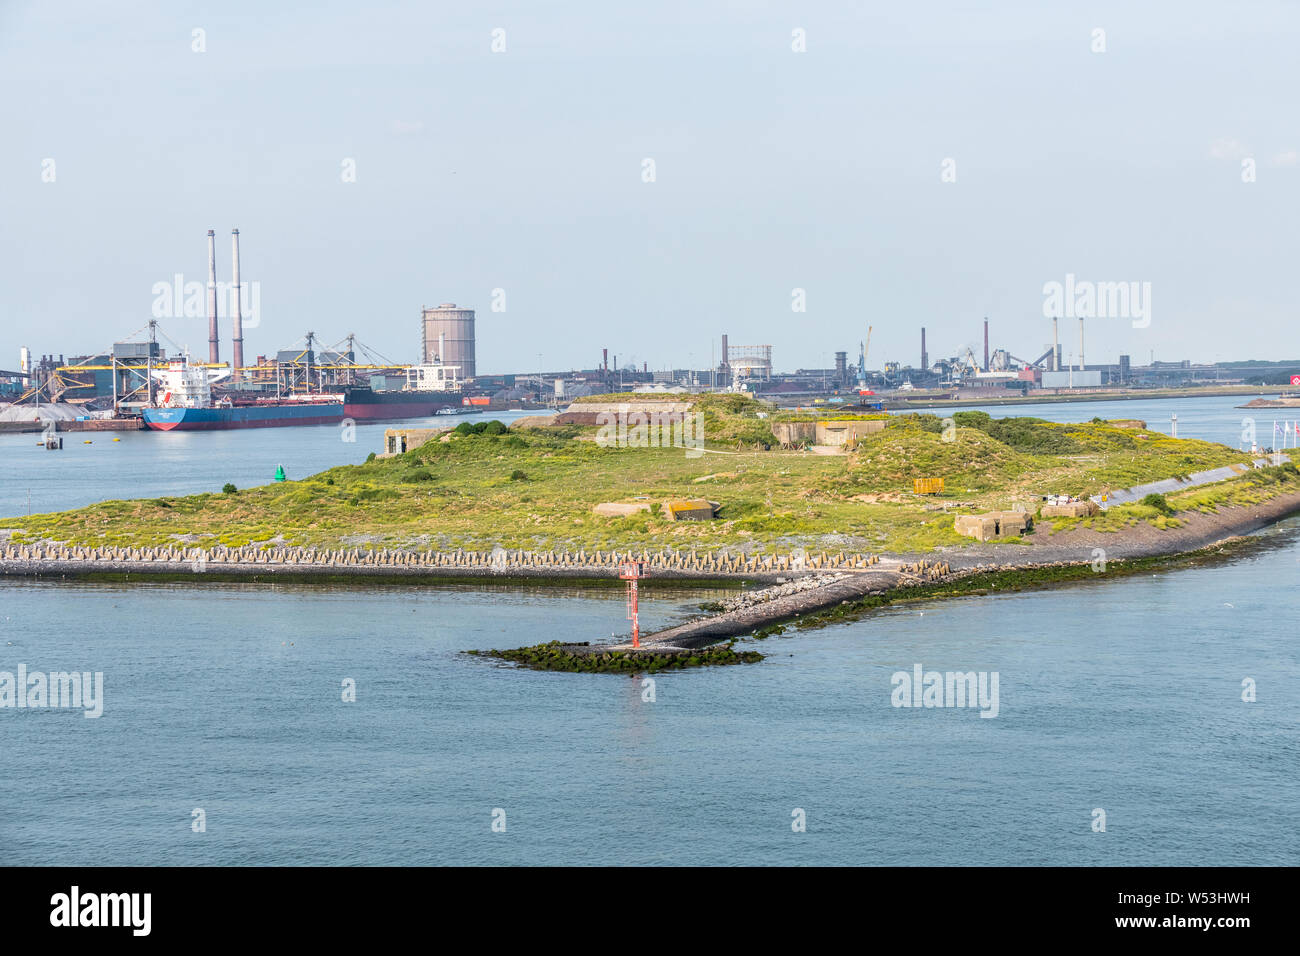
[
  {"x": 150, "y": 464},
  {"x": 1212, "y": 418},
  {"x": 1121, "y": 694}
]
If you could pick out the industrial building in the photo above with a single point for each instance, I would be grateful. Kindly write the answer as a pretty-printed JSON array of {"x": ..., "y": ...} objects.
[
  {"x": 447, "y": 337},
  {"x": 120, "y": 377}
]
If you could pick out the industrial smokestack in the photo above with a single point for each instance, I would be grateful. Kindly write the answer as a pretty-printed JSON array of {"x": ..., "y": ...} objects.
[
  {"x": 214, "y": 351},
  {"x": 986, "y": 343},
  {"x": 925, "y": 359},
  {"x": 725, "y": 363},
  {"x": 1056, "y": 345},
  {"x": 604, "y": 360},
  {"x": 1081, "y": 366},
  {"x": 237, "y": 338}
]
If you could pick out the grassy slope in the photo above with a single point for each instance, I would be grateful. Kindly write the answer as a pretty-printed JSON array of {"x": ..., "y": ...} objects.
[{"x": 461, "y": 493}]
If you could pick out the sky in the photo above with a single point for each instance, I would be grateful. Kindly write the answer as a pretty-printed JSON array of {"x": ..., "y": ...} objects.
[{"x": 818, "y": 168}]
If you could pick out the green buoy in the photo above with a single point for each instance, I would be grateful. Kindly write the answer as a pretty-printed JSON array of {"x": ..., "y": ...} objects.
[{"x": 279, "y": 472}]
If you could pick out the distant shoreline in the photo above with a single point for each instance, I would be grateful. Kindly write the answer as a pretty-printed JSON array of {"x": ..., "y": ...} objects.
[{"x": 902, "y": 403}]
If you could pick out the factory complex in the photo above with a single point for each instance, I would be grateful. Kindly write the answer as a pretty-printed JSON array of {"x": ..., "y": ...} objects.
[{"x": 146, "y": 380}]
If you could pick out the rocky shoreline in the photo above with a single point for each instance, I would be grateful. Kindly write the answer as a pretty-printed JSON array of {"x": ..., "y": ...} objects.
[
  {"x": 1076, "y": 548},
  {"x": 288, "y": 563},
  {"x": 797, "y": 585}
]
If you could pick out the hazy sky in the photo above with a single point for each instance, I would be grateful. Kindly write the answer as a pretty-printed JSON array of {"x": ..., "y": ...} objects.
[{"x": 774, "y": 170}]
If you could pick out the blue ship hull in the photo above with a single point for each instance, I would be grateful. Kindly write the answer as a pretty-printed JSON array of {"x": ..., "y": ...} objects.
[{"x": 243, "y": 416}]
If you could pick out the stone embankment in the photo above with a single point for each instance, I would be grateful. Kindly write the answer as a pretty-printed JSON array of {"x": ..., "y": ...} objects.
[
  {"x": 784, "y": 602},
  {"x": 39, "y": 559},
  {"x": 761, "y": 596},
  {"x": 1079, "y": 546}
]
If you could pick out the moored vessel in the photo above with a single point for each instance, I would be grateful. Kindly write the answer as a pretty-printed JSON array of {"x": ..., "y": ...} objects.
[
  {"x": 184, "y": 403},
  {"x": 429, "y": 390}
]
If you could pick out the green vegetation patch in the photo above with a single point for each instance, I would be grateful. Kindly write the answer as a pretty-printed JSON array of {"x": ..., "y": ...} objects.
[
  {"x": 484, "y": 485},
  {"x": 555, "y": 656}
]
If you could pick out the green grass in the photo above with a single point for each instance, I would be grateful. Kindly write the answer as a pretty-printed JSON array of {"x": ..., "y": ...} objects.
[{"x": 535, "y": 488}]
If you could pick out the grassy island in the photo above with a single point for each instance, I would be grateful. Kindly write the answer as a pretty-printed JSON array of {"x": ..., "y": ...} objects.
[{"x": 536, "y": 487}]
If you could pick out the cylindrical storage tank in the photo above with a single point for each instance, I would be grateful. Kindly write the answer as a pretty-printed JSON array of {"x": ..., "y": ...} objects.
[{"x": 454, "y": 327}]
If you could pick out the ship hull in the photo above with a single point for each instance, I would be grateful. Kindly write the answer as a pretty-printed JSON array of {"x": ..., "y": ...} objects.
[
  {"x": 364, "y": 405},
  {"x": 243, "y": 416}
]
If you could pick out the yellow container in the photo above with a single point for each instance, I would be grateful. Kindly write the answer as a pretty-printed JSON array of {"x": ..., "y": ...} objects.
[{"x": 927, "y": 486}]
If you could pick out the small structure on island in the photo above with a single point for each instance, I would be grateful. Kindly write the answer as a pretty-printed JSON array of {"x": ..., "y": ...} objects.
[
  {"x": 827, "y": 434},
  {"x": 634, "y": 409},
  {"x": 927, "y": 486},
  {"x": 690, "y": 509},
  {"x": 398, "y": 441},
  {"x": 674, "y": 509},
  {"x": 994, "y": 524},
  {"x": 794, "y": 434},
  {"x": 847, "y": 432},
  {"x": 1068, "y": 506}
]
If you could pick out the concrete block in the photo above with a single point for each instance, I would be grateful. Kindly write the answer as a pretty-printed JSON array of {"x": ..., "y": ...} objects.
[{"x": 620, "y": 509}]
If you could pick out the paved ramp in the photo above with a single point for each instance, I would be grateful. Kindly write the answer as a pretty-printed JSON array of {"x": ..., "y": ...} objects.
[{"x": 1168, "y": 485}]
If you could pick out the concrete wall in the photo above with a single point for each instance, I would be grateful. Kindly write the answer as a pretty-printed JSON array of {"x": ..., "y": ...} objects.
[
  {"x": 993, "y": 524},
  {"x": 588, "y": 413},
  {"x": 794, "y": 433},
  {"x": 844, "y": 432},
  {"x": 826, "y": 432},
  {"x": 399, "y": 440},
  {"x": 1071, "y": 509}
]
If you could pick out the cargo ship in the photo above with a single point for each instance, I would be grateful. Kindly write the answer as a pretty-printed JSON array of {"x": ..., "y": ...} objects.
[
  {"x": 264, "y": 413},
  {"x": 363, "y": 404},
  {"x": 430, "y": 390},
  {"x": 184, "y": 403}
]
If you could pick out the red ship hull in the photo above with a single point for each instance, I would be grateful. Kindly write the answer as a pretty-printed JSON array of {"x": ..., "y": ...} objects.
[{"x": 363, "y": 405}]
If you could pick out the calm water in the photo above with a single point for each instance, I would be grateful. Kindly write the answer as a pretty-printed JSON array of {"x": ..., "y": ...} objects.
[
  {"x": 1122, "y": 694},
  {"x": 151, "y": 464},
  {"x": 1210, "y": 419}
]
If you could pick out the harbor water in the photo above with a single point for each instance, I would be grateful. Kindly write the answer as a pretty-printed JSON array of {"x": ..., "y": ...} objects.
[
  {"x": 1121, "y": 694},
  {"x": 151, "y": 464}
]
